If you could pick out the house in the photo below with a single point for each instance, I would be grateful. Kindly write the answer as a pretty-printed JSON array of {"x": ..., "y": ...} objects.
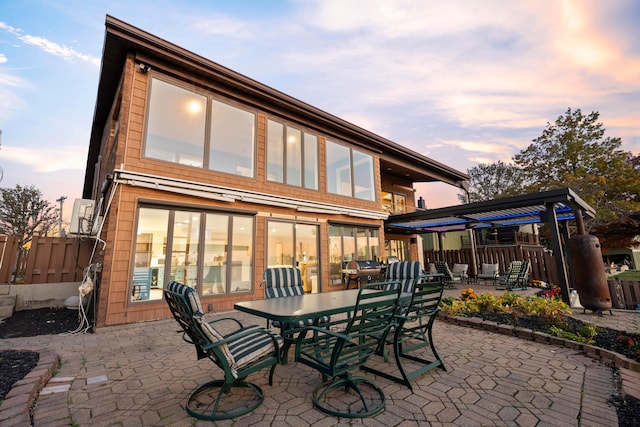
[{"x": 202, "y": 175}]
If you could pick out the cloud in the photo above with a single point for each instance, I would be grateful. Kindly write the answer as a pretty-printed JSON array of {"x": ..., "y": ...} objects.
[
  {"x": 9, "y": 100},
  {"x": 67, "y": 53},
  {"x": 46, "y": 160},
  {"x": 3, "y": 59},
  {"x": 221, "y": 25},
  {"x": 490, "y": 65}
]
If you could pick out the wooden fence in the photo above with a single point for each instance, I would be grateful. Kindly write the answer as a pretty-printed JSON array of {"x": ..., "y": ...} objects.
[
  {"x": 49, "y": 260},
  {"x": 542, "y": 264},
  {"x": 624, "y": 293}
]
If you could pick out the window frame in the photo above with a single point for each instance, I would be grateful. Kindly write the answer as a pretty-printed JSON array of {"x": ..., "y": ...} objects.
[
  {"x": 343, "y": 260},
  {"x": 283, "y": 156},
  {"x": 168, "y": 251},
  {"x": 393, "y": 207},
  {"x": 297, "y": 256},
  {"x": 208, "y": 137},
  {"x": 351, "y": 172}
]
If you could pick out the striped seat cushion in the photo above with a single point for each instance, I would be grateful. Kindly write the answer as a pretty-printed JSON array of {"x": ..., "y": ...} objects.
[
  {"x": 287, "y": 282},
  {"x": 242, "y": 351},
  {"x": 283, "y": 282},
  {"x": 406, "y": 272},
  {"x": 193, "y": 300},
  {"x": 215, "y": 336},
  {"x": 252, "y": 347},
  {"x": 189, "y": 294}
]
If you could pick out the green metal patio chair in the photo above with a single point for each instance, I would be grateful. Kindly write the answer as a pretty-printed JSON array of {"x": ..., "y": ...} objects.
[
  {"x": 412, "y": 338},
  {"x": 346, "y": 346},
  {"x": 449, "y": 279},
  {"x": 513, "y": 280},
  {"x": 239, "y": 353},
  {"x": 523, "y": 279}
]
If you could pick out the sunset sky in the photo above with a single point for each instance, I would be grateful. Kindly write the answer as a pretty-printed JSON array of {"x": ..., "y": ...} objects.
[{"x": 461, "y": 81}]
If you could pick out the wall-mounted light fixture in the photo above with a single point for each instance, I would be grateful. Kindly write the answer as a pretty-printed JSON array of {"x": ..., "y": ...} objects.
[{"x": 144, "y": 68}]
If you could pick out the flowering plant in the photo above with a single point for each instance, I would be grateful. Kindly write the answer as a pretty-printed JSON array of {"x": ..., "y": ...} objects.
[
  {"x": 550, "y": 293},
  {"x": 625, "y": 341},
  {"x": 538, "y": 284},
  {"x": 467, "y": 294}
]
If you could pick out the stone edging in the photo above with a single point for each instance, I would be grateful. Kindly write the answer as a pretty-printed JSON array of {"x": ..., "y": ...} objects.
[
  {"x": 606, "y": 356},
  {"x": 16, "y": 409}
]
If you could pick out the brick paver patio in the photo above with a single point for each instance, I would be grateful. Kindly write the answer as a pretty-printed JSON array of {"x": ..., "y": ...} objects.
[{"x": 142, "y": 374}]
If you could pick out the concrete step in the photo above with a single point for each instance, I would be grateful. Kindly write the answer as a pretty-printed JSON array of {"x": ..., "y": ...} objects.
[{"x": 7, "y": 305}]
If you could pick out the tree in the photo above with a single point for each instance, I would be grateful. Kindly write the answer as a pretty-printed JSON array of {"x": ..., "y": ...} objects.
[
  {"x": 24, "y": 212},
  {"x": 493, "y": 181},
  {"x": 574, "y": 152}
]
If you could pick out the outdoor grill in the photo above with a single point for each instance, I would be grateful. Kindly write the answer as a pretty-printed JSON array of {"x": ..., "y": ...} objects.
[{"x": 364, "y": 272}]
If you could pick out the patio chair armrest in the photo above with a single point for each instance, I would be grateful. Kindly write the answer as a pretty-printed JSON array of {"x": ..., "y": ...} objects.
[
  {"x": 186, "y": 337},
  {"x": 249, "y": 330},
  {"x": 236, "y": 321}
]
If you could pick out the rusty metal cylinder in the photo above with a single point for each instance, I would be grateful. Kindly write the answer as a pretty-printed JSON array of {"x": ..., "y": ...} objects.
[{"x": 588, "y": 272}]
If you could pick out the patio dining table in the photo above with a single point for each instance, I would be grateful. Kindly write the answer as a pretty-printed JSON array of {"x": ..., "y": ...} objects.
[{"x": 288, "y": 310}]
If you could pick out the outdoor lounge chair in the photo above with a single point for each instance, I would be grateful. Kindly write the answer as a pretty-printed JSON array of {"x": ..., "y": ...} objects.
[
  {"x": 523, "y": 280},
  {"x": 489, "y": 272},
  {"x": 514, "y": 280},
  {"x": 449, "y": 279},
  {"x": 461, "y": 271},
  {"x": 239, "y": 353},
  {"x": 336, "y": 352},
  {"x": 414, "y": 332}
]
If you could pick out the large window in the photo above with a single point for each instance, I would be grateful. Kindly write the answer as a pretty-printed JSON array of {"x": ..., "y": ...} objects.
[
  {"x": 310, "y": 161},
  {"x": 349, "y": 172},
  {"x": 176, "y": 130},
  {"x": 232, "y": 139},
  {"x": 346, "y": 243},
  {"x": 175, "y": 124},
  {"x": 292, "y": 156},
  {"x": 292, "y": 244},
  {"x": 275, "y": 151},
  {"x": 363, "y": 187},
  {"x": 211, "y": 252}
]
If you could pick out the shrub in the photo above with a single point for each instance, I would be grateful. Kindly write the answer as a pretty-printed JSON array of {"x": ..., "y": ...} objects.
[
  {"x": 559, "y": 332},
  {"x": 551, "y": 309}
]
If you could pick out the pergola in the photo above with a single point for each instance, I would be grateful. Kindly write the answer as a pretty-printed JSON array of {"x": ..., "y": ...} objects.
[{"x": 554, "y": 207}]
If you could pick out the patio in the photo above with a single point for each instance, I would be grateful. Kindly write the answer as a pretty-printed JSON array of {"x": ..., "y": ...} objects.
[{"x": 141, "y": 374}]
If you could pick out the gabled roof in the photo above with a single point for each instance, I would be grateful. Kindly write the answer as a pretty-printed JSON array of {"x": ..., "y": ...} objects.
[
  {"x": 122, "y": 39},
  {"x": 524, "y": 209}
]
